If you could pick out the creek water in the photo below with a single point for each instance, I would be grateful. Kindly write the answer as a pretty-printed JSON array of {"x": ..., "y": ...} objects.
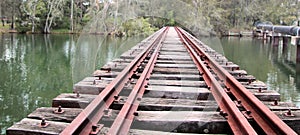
[{"x": 36, "y": 68}]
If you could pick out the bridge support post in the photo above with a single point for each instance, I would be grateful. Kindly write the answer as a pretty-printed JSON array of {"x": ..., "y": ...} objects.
[
  {"x": 275, "y": 40},
  {"x": 298, "y": 54},
  {"x": 285, "y": 40},
  {"x": 297, "y": 75},
  {"x": 264, "y": 35},
  {"x": 298, "y": 50},
  {"x": 285, "y": 43}
]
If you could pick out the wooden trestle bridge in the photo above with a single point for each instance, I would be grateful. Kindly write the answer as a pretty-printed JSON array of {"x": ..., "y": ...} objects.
[{"x": 169, "y": 82}]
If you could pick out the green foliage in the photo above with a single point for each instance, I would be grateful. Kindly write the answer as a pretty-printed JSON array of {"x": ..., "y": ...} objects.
[
  {"x": 218, "y": 14},
  {"x": 23, "y": 28},
  {"x": 139, "y": 26},
  {"x": 62, "y": 23},
  {"x": 60, "y": 31}
]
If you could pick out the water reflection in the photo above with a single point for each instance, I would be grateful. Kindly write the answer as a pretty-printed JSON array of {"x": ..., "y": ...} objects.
[
  {"x": 274, "y": 65},
  {"x": 93, "y": 51},
  {"x": 37, "y": 68},
  {"x": 34, "y": 69}
]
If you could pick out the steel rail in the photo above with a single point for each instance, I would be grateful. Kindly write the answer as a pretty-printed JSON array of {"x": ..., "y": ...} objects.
[
  {"x": 238, "y": 123},
  {"x": 92, "y": 114},
  {"x": 264, "y": 117},
  {"x": 125, "y": 117}
]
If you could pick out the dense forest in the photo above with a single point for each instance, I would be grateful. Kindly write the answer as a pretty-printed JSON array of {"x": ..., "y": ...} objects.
[{"x": 72, "y": 16}]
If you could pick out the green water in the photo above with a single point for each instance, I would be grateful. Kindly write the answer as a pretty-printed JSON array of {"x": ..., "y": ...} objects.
[
  {"x": 36, "y": 68},
  {"x": 274, "y": 65}
]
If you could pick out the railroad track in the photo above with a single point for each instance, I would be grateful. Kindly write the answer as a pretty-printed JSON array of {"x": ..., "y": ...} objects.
[
  {"x": 251, "y": 107},
  {"x": 216, "y": 78},
  {"x": 174, "y": 84}
]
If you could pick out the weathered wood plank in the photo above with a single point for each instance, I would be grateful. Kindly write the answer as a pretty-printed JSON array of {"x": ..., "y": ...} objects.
[
  {"x": 72, "y": 101},
  {"x": 175, "y": 62},
  {"x": 177, "y": 92},
  {"x": 88, "y": 88},
  {"x": 246, "y": 78},
  {"x": 265, "y": 95},
  {"x": 163, "y": 104},
  {"x": 159, "y": 121},
  {"x": 255, "y": 85},
  {"x": 179, "y": 121},
  {"x": 31, "y": 127},
  {"x": 282, "y": 106},
  {"x": 231, "y": 67},
  {"x": 175, "y": 71},
  {"x": 238, "y": 72},
  {"x": 68, "y": 114},
  {"x": 173, "y": 57},
  {"x": 190, "y": 66},
  {"x": 104, "y": 131},
  {"x": 182, "y": 83},
  {"x": 176, "y": 77},
  {"x": 292, "y": 121}
]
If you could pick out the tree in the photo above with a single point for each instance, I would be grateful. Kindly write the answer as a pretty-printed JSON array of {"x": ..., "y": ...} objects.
[
  {"x": 11, "y": 8},
  {"x": 30, "y": 7},
  {"x": 55, "y": 10}
]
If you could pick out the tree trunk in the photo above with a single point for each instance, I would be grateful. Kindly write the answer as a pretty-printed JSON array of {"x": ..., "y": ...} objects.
[
  {"x": 71, "y": 17},
  {"x": 47, "y": 29},
  {"x": 12, "y": 26},
  {"x": 33, "y": 18}
]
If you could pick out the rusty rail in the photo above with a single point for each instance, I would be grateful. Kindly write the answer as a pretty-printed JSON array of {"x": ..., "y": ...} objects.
[
  {"x": 86, "y": 122},
  {"x": 263, "y": 116},
  {"x": 238, "y": 123},
  {"x": 125, "y": 118}
]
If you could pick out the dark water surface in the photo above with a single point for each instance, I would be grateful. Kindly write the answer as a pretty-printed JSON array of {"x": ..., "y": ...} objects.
[{"x": 36, "y": 68}]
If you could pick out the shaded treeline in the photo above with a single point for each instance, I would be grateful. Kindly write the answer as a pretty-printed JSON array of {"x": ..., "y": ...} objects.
[{"x": 47, "y": 16}]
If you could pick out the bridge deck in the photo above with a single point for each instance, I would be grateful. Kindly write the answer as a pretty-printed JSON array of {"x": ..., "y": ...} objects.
[{"x": 163, "y": 91}]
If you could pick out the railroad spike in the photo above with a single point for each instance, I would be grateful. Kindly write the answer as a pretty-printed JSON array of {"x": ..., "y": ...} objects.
[
  {"x": 77, "y": 94},
  {"x": 116, "y": 97},
  {"x": 248, "y": 112},
  {"x": 96, "y": 129},
  {"x": 239, "y": 101},
  {"x": 109, "y": 70},
  {"x": 59, "y": 110},
  {"x": 136, "y": 114},
  {"x": 43, "y": 123},
  {"x": 275, "y": 102},
  {"x": 249, "y": 82},
  {"x": 221, "y": 112},
  {"x": 289, "y": 113}
]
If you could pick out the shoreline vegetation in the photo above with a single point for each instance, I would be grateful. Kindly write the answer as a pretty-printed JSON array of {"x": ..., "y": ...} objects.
[
  {"x": 128, "y": 18},
  {"x": 230, "y": 33}
]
